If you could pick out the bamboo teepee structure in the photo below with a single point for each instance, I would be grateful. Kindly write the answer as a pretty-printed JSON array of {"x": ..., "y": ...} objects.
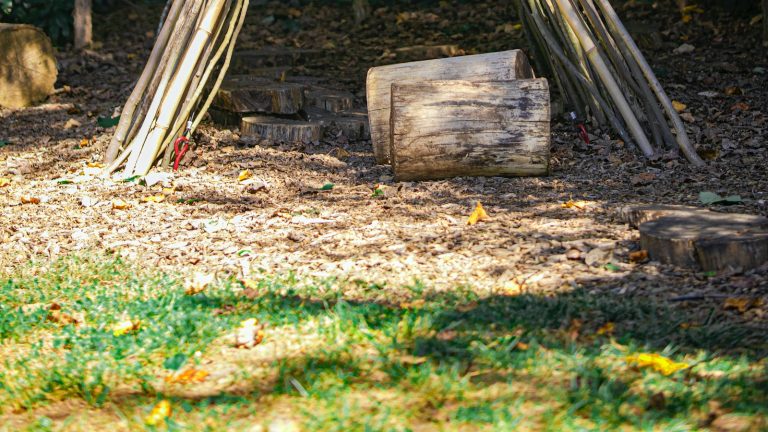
[
  {"x": 580, "y": 44},
  {"x": 183, "y": 73}
]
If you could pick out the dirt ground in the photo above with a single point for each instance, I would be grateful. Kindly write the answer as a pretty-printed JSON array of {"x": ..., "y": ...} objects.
[{"x": 415, "y": 233}]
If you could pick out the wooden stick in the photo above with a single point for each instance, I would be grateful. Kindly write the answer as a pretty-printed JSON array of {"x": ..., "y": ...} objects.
[
  {"x": 614, "y": 23},
  {"x": 126, "y": 117},
  {"x": 605, "y": 76},
  {"x": 177, "y": 86}
]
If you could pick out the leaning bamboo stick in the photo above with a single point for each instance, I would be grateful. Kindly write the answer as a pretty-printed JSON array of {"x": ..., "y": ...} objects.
[
  {"x": 614, "y": 23},
  {"x": 126, "y": 117},
  {"x": 176, "y": 89},
  {"x": 605, "y": 76}
]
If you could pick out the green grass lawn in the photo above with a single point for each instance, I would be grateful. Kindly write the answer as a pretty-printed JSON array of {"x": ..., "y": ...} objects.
[{"x": 348, "y": 356}]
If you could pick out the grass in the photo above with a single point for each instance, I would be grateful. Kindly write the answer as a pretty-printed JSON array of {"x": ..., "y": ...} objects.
[{"x": 345, "y": 356}]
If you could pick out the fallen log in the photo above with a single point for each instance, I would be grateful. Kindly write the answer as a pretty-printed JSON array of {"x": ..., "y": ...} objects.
[
  {"x": 501, "y": 66},
  {"x": 27, "y": 66},
  {"x": 708, "y": 241},
  {"x": 442, "y": 129},
  {"x": 281, "y": 130},
  {"x": 247, "y": 94}
]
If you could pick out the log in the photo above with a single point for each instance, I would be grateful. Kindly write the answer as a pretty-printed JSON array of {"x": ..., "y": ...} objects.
[
  {"x": 247, "y": 94},
  {"x": 708, "y": 241},
  {"x": 82, "y": 23},
  {"x": 27, "y": 66},
  {"x": 353, "y": 123},
  {"x": 281, "y": 130},
  {"x": 634, "y": 215},
  {"x": 442, "y": 129},
  {"x": 329, "y": 100},
  {"x": 500, "y": 66}
]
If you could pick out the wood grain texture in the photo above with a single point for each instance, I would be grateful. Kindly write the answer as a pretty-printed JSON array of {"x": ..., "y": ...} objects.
[
  {"x": 83, "y": 23},
  {"x": 442, "y": 129},
  {"x": 246, "y": 93},
  {"x": 328, "y": 99},
  {"x": 281, "y": 130},
  {"x": 352, "y": 123},
  {"x": 634, "y": 215},
  {"x": 500, "y": 66},
  {"x": 708, "y": 241},
  {"x": 27, "y": 65}
]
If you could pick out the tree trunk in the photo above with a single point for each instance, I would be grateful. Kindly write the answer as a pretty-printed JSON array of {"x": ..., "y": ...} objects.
[
  {"x": 442, "y": 129},
  {"x": 765, "y": 23},
  {"x": 27, "y": 65},
  {"x": 507, "y": 65},
  {"x": 83, "y": 24}
]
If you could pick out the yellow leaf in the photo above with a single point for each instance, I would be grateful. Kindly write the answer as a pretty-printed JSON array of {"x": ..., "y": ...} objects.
[
  {"x": 118, "y": 204},
  {"x": 188, "y": 376},
  {"x": 244, "y": 175},
  {"x": 153, "y": 199},
  {"x": 85, "y": 142},
  {"x": 4, "y": 181},
  {"x": 198, "y": 283},
  {"x": 95, "y": 165},
  {"x": 522, "y": 346},
  {"x": 607, "y": 328},
  {"x": 30, "y": 200},
  {"x": 250, "y": 283},
  {"x": 657, "y": 362},
  {"x": 125, "y": 327},
  {"x": 579, "y": 205},
  {"x": 741, "y": 304},
  {"x": 679, "y": 106},
  {"x": 638, "y": 256},
  {"x": 159, "y": 413},
  {"x": 477, "y": 215}
]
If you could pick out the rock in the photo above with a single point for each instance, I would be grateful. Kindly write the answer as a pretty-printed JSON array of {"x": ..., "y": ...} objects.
[{"x": 27, "y": 66}]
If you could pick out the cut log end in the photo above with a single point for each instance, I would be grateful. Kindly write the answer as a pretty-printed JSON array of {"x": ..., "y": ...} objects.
[
  {"x": 707, "y": 240},
  {"x": 634, "y": 215},
  {"x": 281, "y": 130},
  {"x": 246, "y": 93},
  {"x": 27, "y": 66}
]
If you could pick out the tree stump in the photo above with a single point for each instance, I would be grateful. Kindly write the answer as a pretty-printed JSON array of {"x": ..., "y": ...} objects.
[
  {"x": 501, "y": 66},
  {"x": 281, "y": 130},
  {"x": 247, "y": 94},
  {"x": 27, "y": 65},
  {"x": 708, "y": 241},
  {"x": 634, "y": 215},
  {"x": 442, "y": 129},
  {"x": 353, "y": 123},
  {"x": 83, "y": 26},
  {"x": 329, "y": 100}
]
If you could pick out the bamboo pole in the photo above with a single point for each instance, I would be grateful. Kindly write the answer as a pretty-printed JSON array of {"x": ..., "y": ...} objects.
[
  {"x": 614, "y": 23},
  {"x": 176, "y": 88},
  {"x": 605, "y": 76}
]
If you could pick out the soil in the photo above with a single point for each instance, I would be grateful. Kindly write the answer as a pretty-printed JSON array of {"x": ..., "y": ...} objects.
[{"x": 281, "y": 219}]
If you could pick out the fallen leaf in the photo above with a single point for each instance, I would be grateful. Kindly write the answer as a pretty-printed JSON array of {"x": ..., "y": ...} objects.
[
  {"x": 708, "y": 198},
  {"x": 244, "y": 175},
  {"x": 30, "y": 200},
  {"x": 679, "y": 106},
  {"x": 522, "y": 346},
  {"x": 95, "y": 165},
  {"x": 159, "y": 413},
  {"x": 85, "y": 142},
  {"x": 742, "y": 304},
  {"x": 408, "y": 359},
  {"x": 249, "y": 334},
  {"x": 4, "y": 182},
  {"x": 579, "y": 205},
  {"x": 188, "y": 376},
  {"x": 327, "y": 187},
  {"x": 107, "y": 122},
  {"x": 688, "y": 117},
  {"x": 153, "y": 199},
  {"x": 657, "y": 362},
  {"x": 643, "y": 178},
  {"x": 606, "y": 328},
  {"x": 684, "y": 49},
  {"x": 125, "y": 327},
  {"x": 733, "y": 91},
  {"x": 118, "y": 204},
  {"x": 477, "y": 215},
  {"x": 340, "y": 153},
  {"x": 198, "y": 283},
  {"x": 638, "y": 256},
  {"x": 740, "y": 106},
  {"x": 71, "y": 123}
]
